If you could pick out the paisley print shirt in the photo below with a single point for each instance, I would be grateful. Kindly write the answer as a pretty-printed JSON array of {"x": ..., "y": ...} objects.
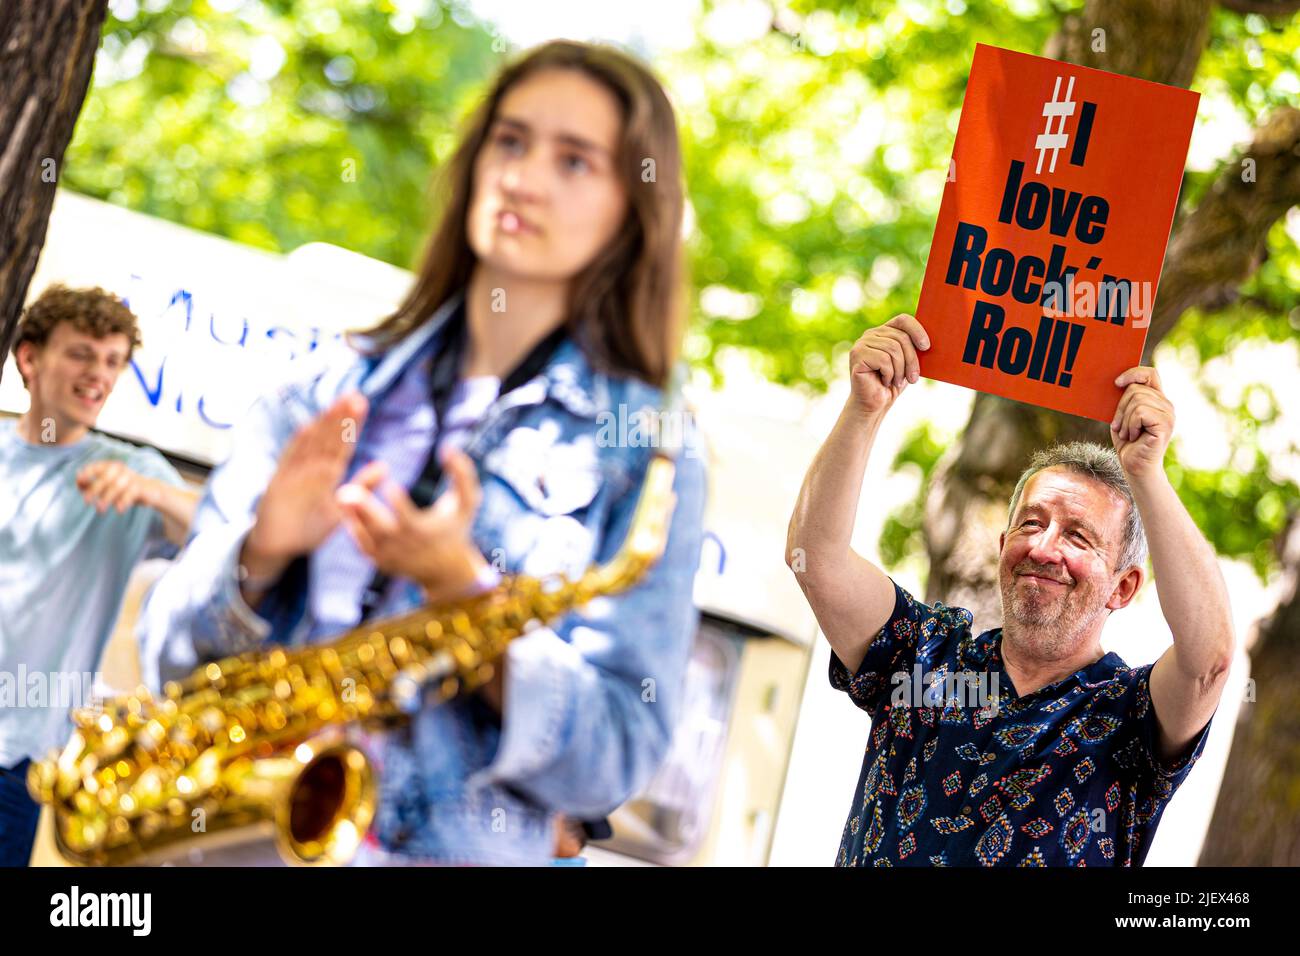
[{"x": 961, "y": 771}]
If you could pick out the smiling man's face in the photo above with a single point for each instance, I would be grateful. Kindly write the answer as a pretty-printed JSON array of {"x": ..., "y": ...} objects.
[
  {"x": 1056, "y": 569},
  {"x": 71, "y": 376}
]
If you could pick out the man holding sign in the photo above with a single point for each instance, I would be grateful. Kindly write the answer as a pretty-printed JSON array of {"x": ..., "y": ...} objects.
[
  {"x": 1062, "y": 754},
  {"x": 1027, "y": 745}
]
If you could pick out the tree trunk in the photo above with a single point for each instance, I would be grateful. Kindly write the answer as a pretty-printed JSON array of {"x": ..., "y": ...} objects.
[
  {"x": 48, "y": 52},
  {"x": 1212, "y": 250},
  {"x": 1257, "y": 818}
]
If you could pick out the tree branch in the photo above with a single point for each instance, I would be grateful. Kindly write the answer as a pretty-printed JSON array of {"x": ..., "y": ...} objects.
[{"x": 1223, "y": 241}]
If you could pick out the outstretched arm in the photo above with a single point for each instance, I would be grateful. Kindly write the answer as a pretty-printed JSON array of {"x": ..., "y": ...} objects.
[
  {"x": 111, "y": 484},
  {"x": 1187, "y": 681},
  {"x": 851, "y": 597}
]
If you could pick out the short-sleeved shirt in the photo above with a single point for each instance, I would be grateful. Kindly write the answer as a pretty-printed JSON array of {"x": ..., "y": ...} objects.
[
  {"x": 63, "y": 573},
  {"x": 961, "y": 771}
]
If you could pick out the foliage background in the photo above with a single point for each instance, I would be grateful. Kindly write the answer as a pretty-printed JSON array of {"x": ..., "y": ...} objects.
[{"x": 817, "y": 138}]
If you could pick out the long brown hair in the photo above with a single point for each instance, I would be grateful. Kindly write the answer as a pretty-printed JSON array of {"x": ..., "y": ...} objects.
[{"x": 625, "y": 306}]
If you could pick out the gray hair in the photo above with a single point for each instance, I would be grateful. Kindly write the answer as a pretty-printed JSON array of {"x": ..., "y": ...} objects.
[{"x": 1094, "y": 461}]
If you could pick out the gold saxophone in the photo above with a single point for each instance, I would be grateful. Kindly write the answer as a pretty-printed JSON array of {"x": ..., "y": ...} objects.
[{"x": 257, "y": 737}]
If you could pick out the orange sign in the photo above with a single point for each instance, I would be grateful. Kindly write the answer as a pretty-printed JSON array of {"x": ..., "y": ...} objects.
[{"x": 1045, "y": 260}]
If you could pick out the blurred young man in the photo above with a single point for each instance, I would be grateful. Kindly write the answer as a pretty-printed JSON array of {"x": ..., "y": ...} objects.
[{"x": 77, "y": 511}]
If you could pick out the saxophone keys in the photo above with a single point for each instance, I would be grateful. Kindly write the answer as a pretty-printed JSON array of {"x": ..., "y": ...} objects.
[
  {"x": 405, "y": 693},
  {"x": 211, "y": 720},
  {"x": 86, "y": 834},
  {"x": 41, "y": 779},
  {"x": 440, "y": 665},
  {"x": 150, "y": 825},
  {"x": 274, "y": 719}
]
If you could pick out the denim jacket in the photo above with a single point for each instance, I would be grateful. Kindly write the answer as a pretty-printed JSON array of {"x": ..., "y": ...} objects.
[{"x": 589, "y": 702}]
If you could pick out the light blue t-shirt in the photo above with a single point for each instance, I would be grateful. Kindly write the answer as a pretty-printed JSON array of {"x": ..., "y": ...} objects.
[{"x": 63, "y": 573}]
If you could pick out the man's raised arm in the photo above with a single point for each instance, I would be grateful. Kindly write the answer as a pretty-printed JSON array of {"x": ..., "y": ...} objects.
[
  {"x": 851, "y": 597},
  {"x": 1188, "y": 679}
]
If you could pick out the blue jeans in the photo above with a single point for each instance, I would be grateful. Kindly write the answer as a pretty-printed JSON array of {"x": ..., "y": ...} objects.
[{"x": 18, "y": 816}]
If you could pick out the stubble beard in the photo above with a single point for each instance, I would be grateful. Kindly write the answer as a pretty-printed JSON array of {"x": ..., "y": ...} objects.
[{"x": 1051, "y": 624}]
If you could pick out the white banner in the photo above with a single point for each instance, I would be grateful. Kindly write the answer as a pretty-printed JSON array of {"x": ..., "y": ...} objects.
[{"x": 221, "y": 322}]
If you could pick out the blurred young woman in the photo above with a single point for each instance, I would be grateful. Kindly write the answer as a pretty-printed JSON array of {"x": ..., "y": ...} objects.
[{"x": 548, "y": 303}]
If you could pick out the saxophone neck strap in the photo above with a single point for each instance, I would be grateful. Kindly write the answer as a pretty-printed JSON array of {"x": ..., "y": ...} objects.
[{"x": 444, "y": 373}]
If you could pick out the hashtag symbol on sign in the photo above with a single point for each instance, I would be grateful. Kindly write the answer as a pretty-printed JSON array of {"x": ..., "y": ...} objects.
[{"x": 1055, "y": 110}]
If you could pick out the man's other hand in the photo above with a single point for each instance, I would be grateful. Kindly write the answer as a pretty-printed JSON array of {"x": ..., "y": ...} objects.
[{"x": 883, "y": 362}]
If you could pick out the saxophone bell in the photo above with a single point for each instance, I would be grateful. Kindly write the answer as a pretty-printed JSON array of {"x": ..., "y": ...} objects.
[{"x": 325, "y": 806}]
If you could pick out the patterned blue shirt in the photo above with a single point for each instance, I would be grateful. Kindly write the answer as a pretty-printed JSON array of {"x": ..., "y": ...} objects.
[{"x": 961, "y": 771}]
